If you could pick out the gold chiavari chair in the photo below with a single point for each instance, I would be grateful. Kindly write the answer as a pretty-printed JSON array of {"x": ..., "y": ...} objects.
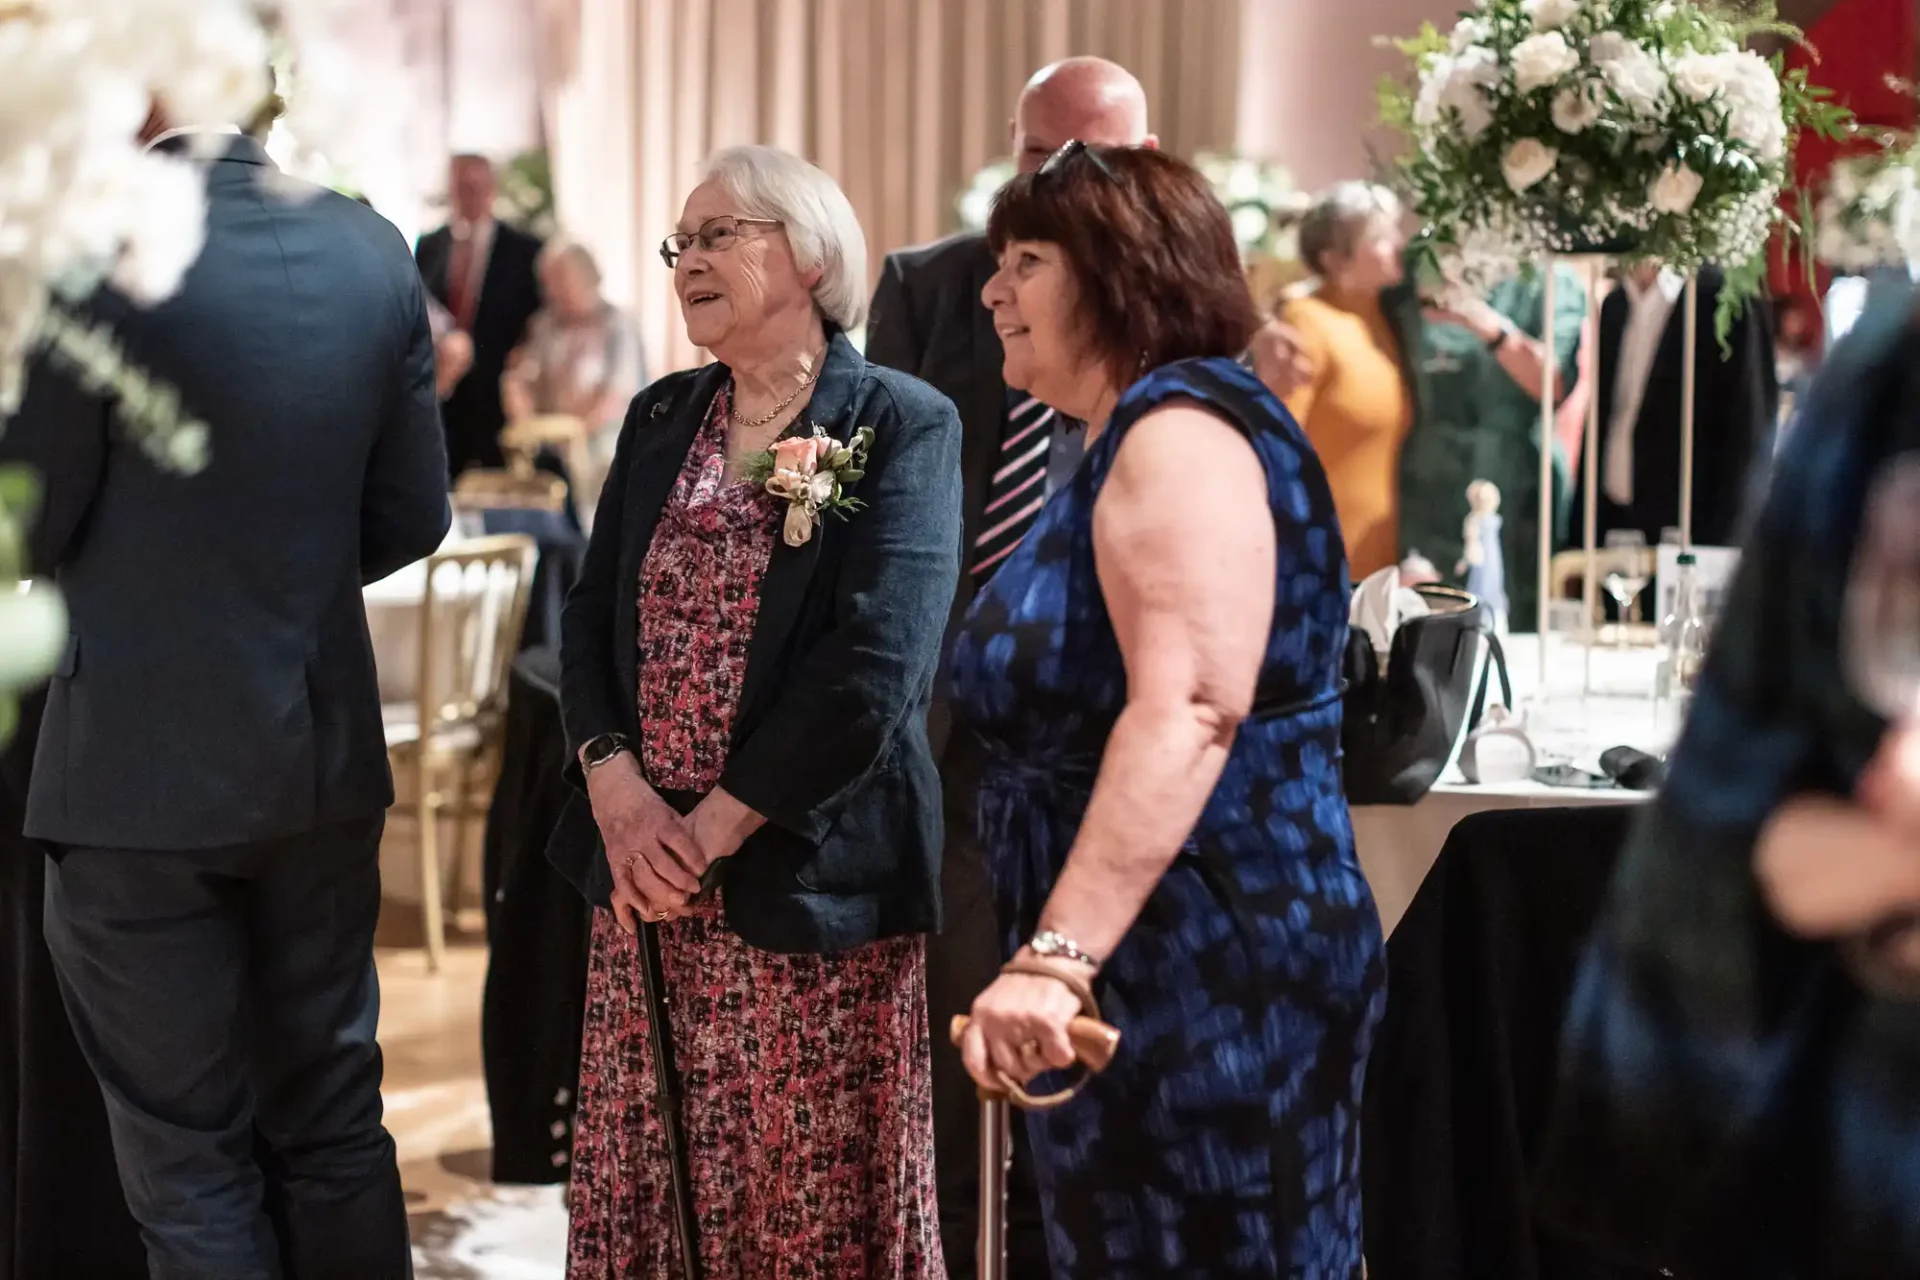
[
  {"x": 563, "y": 433},
  {"x": 493, "y": 490},
  {"x": 472, "y": 611}
]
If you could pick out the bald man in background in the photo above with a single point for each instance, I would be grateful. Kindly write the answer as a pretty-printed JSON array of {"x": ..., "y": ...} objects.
[{"x": 927, "y": 320}]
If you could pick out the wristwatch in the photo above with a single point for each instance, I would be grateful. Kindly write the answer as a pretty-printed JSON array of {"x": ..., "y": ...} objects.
[
  {"x": 1500, "y": 339},
  {"x": 600, "y": 750},
  {"x": 1058, "y": 946}
]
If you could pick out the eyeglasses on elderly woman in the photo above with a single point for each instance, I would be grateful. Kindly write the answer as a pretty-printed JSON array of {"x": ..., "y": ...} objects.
[{"x": 716, "y": 235}]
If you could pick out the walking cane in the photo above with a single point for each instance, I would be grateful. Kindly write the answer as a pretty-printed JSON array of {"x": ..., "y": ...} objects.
[
  {"x": 667, "y": 1102},
  {"x": 1094, "y": 1043}
]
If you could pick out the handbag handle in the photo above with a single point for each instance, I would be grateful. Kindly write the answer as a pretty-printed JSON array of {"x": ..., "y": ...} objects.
[{"x": 1496, "y": 662}]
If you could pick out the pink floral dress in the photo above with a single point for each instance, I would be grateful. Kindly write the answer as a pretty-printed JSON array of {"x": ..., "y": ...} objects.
[{"x": 806, "y": 1094}]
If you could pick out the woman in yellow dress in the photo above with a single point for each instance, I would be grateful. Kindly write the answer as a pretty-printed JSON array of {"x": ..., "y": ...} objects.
[{"x": 1356, "y": 407}]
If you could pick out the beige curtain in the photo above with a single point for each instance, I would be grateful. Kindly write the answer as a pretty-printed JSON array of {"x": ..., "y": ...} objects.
[{"x": 900, "y": 100}]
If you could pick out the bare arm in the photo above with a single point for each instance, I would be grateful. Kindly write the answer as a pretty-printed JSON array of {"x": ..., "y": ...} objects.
[
  {"x": 516, "y": 396},
  {"x": 1190, "y": 589},
  {"x": 1570, "y": 419},
  {"x": 1523, "y": 358}
]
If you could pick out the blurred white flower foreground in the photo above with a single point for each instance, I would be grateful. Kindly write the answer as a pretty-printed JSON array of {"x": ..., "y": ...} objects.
[{"x": 82, "y": 201}]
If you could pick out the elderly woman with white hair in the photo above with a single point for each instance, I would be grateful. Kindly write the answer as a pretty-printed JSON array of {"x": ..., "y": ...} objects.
[
  {"x": 582, "y": 356},
  {"x": 747, "y": 664}
]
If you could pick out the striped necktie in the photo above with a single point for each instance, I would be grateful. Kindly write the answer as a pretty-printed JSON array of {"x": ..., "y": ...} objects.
[{"x": 1019, "y": 488}]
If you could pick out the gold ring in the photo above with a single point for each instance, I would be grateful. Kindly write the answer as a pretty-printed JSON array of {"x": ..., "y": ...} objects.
[{"x": 1030, "y": 1049}]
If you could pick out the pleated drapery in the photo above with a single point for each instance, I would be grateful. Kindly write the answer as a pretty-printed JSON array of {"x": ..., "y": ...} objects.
[{"x": 900, "y": 100}]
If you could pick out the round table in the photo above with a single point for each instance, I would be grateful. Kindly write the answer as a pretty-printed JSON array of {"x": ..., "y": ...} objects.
[{"x": 1397, "y": 844}]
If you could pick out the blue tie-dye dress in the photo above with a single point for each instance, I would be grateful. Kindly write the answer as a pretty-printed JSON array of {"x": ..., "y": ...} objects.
[{"x": 1224, "y": 1140}]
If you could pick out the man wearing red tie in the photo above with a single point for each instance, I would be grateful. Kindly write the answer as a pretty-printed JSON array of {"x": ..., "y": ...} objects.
[{"x": 482, "y": 272}]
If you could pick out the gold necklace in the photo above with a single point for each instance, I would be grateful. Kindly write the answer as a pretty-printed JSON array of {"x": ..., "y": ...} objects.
[{"x": 744, "y": 424}]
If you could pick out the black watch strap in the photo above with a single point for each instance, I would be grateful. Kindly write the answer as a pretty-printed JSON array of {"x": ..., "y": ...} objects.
[{"x": 600, "y": 750}]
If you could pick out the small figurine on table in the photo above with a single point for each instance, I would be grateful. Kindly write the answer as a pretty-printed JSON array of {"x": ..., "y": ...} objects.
[{"x": 1481, "y": 559}]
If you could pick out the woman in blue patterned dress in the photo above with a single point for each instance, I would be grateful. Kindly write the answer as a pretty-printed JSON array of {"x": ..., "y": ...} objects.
[{"x": 1155, "y": 675}]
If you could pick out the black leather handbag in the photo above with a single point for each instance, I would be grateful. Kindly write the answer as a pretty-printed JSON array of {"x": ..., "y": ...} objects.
[{"x": 1400, "y": 725}]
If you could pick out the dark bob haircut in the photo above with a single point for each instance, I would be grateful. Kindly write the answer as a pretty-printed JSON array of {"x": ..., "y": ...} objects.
[{"x": 1150, "y": 246}]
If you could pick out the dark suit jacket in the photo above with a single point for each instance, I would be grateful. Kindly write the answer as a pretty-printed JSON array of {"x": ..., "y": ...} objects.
[
  {"x": 927, "y": 320},
  {"x": 829, "y": 741},
  {"x": 218, "y": 683},
  {"x": 509, "y": 295},
  {"x": 1736, "y": 405}
]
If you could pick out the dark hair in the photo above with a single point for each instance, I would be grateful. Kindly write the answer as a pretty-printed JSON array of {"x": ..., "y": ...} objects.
[{"x": 1150, "y": 246}]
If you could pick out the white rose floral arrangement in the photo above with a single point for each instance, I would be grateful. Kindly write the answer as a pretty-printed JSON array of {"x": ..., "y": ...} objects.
[
  {"x": 1868, "y": 216},
  {"x": 1638, "y": 128}
]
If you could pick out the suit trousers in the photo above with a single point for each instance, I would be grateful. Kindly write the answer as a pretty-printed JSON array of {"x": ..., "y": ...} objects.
[
  {"x": 226, "y": 1000},
  {"x": 961, "y": 961}
]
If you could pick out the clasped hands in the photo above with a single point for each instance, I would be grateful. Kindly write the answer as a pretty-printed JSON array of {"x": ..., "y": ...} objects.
[
  {"x": 1849, "y": 870},
  {"x": 656, "y": 856}
]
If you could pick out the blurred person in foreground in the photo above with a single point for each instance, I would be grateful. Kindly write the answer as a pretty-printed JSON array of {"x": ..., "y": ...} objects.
[
  {"x": 1156, "y": 684},
  {"x": 1356, "y": 404},
  {"x": 1738, "y": 1094},
  {"x": 928, "y": 320},
  {"x": 745, "y": 695},
  {"x": 581, "y": 358},
  {"x": 211, "y": 777},
  {"x": 482, "y": 271}
]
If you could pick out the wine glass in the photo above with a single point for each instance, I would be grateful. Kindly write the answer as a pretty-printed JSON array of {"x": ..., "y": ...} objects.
[
  {"x": 1880, "y": 656},
  {"x": 1627, "y": 577}
]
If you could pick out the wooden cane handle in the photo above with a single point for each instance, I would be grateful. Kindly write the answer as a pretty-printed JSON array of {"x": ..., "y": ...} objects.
[{"x": 1094, "y": 1042}]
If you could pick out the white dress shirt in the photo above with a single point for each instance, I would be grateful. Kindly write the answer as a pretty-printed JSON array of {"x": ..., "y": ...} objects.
[
  {"x": 1648, "y": 311},
  {"x": 198, "y": 131}
]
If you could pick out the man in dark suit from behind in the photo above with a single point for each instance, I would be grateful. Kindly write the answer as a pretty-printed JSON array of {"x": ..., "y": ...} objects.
[
  {"x": 484, "y": 273},
  {"x": 927, "y": 320},
  {"x": 211, "y": 774},
  {"x": 1736, "y": 405}
]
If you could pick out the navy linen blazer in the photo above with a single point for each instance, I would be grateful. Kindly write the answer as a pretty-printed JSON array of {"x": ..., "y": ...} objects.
[
  {"x": 830, "y": 740},
  {"x": 218, "y": 687}
]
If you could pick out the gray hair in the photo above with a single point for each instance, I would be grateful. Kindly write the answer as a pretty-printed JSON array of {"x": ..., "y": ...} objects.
[
  {"x": 821, "y": 225},
  {"x": 1338, "y": 217},
  {"x": 565, "y": 247}
]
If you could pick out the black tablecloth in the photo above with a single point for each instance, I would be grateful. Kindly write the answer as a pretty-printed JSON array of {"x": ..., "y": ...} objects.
[
  {"x": 537, "y": 932},
  {"x": 1479, "y": 973},
  {"x": 61, "y": 1210}
]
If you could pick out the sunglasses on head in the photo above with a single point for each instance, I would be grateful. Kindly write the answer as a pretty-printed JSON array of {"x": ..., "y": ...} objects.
[{"x": 1061, "y": 158}]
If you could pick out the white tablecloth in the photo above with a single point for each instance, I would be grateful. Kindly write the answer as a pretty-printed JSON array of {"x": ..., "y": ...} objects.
[
  {"x": 1398, "y": 844},
  {"x": 393, "y": 620},
  {"x": 394, "y": 606}
]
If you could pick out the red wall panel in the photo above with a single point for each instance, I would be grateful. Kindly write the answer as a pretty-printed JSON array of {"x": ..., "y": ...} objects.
[{"x": 1857, "y": 48}]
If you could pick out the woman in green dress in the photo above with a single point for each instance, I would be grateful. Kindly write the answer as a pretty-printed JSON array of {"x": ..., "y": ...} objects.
[{"x": 1477, "y": 389}]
